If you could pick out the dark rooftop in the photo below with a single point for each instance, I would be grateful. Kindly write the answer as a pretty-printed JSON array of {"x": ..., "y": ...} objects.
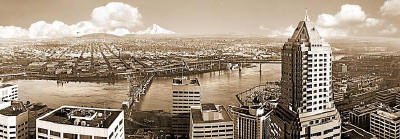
[
  {"x": 15, "y": 109},
  {"x": 183, "y": 81},
  {"x": 92, "y": 117},
  {"x": 350, "y": 131},
  {"x": 5, "y": 85},
  {"x": 208, "y": 107}
]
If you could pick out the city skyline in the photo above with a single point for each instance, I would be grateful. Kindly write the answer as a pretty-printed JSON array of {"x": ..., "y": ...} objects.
[{"x": 54, "y": 19}]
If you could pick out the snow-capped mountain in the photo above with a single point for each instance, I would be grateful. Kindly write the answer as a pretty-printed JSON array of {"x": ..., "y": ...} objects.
[{"x": 155, "y": 29}]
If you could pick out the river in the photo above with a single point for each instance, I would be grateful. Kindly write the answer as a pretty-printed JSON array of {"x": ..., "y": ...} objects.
[{"x": 217, "y": 87}]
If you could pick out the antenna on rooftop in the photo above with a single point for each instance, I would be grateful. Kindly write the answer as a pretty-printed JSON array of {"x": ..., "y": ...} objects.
[{"x": 306, "y": 17}]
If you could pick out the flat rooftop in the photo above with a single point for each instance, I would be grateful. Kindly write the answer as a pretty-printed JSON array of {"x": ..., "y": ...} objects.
[
  {"x": 89, "y": 117},
  {"x": 15, "y": 109},
  {"x": 197, "y": 114},
  {"x": 350, "y": 131},
  {"x": 365, "y": 109},
  {"x": 184, "y": 81},
  {"x": 389, "y": 113},
  {"x": 5, "y": 85}
]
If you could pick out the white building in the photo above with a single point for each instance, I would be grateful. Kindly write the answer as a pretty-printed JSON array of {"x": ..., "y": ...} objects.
[
  {"x": 385, "y": 123},
  {"x": 210, "y": 121},
  {"x": 306, "y": 107},
  {"x": 185, "y": 93},
  {"x": 8, "y": 92},
  {"x": 251, "y": 122},
  {"x": 13, "y": 120},
  {"x": 81, "y": 123}
]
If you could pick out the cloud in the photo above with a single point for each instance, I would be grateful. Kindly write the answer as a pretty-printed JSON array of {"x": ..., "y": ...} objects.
[
  {"x": 116, "y": 15},
  {"x": 390, "y": 7},
  {"x": 348, "y": 14},
  {"x": 389, "y": 30},
  {"x": 327, "y": 32},
  {"x": 370, "y": 22},
  {"x": 12, "y": 32},
  {"x": 281, "y": 32},
  {"x": 115, "y": 18}
]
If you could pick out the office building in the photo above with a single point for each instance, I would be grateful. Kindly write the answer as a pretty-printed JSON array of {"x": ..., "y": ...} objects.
[
  {"x": 210, "y": 121},
  {"x": 251, "y": 122},
  {"x": 185, "y": 94},
  {"x": 360, "y": 116},
  {"x": 388, "y": 97},
  {"x": 350, "y": 131},
  {"x": 81, "y": 123},
  {"x": 385, "y": 123},
  {"x": 8, "y": 92},
  {"x": 306, "y": 106},
  {"x": 13, "y": 120}
]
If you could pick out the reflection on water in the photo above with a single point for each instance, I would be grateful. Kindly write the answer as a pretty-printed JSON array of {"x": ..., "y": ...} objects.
[
  {"x": 73, "y": 93},
  {"x": 217, "y": 87}
]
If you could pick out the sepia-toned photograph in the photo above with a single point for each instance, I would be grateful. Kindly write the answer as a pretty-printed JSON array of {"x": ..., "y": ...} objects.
[{"x": 199, "y": 69}]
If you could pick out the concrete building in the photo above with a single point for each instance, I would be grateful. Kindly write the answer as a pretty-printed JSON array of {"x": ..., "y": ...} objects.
[
  {"x": 81, "y": 123},
  {"x": 210, "y": 121},
  {"x": 360, "y": 116},
  {"x": 185, "y": 94},
  {"x": 13, "y": 120},
  {"x": 350, "y": 131},
  {"x": 251, "y": 122},
  {"x": 385, "y": 123},
  {"x": 8, "y": 92},
  {"x": 306, "y": 107},
  {"x": 388, "y": 96}
]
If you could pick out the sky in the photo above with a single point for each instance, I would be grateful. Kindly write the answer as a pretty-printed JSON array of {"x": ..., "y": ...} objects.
[{"x": 272, "y": 18}]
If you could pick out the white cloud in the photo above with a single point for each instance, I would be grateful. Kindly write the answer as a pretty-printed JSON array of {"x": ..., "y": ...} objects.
[
  {"x": 347, "y": 14},
  {"x": 327, "y": 32},
  {"x": 369, "y": 22},
  {"x": 12, "y": 32},
  {"x": 389, "y": 30},
  {"x": 390, "y": 7},
  {"x": 350, "y": 13},
  {"x": 115, "y": 18},
  {"x": 282, "y": 32},
  {"x": 116, "y": 15},
  {"x": 327, "y": 20}
]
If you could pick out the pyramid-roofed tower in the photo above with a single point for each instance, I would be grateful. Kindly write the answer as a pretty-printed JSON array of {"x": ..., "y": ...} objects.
[{"x": 306, "y": 108}]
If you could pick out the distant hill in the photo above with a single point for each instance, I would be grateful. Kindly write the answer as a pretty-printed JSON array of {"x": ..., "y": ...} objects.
[{"x": 99, "y": 35}]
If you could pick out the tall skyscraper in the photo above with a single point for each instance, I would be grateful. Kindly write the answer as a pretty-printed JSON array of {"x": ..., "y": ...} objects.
[
  {"x": 306, "y": 108},
  {"x": 185, "y": 94}
]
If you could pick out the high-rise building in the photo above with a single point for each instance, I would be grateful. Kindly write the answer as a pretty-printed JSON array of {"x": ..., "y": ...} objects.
[
  {"x": 210, "y": 121},
  {"x": 251, "y": 122},
  {"x": 81, "y": 123},
  {"x": 306, "y": 106},
  {"x": 13, "y": 120},
  {"x": 8, "y": 92},
  {"x": 385, "y": 123},
  {"x": 185, "y": 94}
]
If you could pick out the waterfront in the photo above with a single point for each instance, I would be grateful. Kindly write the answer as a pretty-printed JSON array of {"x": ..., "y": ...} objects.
[
  {"x": 217, "y": 87},
  {"x": 73, "y": 93}
]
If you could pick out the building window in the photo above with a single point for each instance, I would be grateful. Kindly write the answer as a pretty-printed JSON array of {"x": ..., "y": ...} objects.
[
  {"x": 41, "y": 130},
  {"x": 54, "y": 133}
]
